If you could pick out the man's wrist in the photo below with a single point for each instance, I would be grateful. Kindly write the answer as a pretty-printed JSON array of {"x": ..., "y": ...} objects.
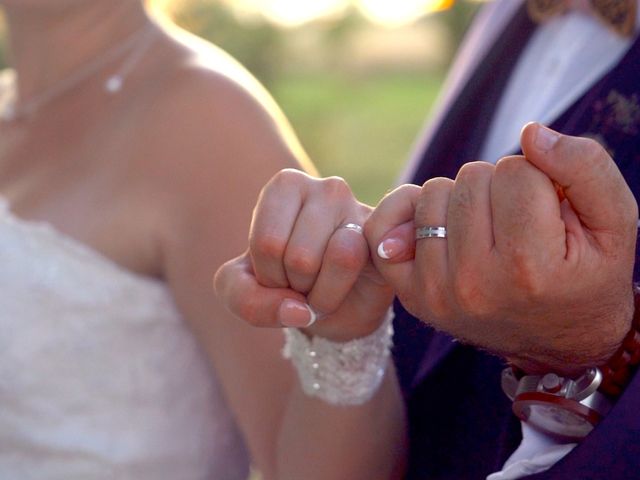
[
  {"x": 618, "y": 370},
  {"x": 570, "y": 406},
  {"x": 571, "y": 357}
]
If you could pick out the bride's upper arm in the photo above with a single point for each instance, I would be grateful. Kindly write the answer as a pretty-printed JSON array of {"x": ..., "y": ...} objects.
[{"x": 214, "y": 141}]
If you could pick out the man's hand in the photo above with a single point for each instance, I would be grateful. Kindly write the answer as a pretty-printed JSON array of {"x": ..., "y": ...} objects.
[
  {"x": 540, "y": 277},
  {"x": 306, "y": 259}
]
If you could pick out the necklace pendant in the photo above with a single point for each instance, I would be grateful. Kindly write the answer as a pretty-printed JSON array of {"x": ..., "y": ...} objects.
[{"x": 113, "y": 84}]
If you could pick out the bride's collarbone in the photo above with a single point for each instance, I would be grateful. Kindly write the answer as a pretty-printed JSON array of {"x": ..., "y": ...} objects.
[
  {"x": 107, "y": 223},
  {"x": 91, "y": 202}
]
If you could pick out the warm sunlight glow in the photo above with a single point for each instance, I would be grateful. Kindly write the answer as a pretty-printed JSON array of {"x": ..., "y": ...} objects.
[
  {"x": 400, "y": 12},
  {"x": 292, "y": 12}
]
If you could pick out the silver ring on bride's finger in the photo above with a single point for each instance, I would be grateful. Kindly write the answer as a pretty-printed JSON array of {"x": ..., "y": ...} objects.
[
  {"x": 430, "y": 231},
  {"x": 352, "y": 226}
]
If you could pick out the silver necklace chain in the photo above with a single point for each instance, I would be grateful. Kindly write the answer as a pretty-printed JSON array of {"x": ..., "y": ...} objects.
[{"x": 136, "y": 45}]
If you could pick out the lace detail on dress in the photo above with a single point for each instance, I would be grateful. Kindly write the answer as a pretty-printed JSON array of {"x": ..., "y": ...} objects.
[{"x": 100, "y": 378}]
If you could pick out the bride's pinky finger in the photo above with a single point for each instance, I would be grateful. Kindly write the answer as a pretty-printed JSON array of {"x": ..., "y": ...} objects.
[
  {"x": 391, "y": 234},
  {"x": 265, "y": 307}
]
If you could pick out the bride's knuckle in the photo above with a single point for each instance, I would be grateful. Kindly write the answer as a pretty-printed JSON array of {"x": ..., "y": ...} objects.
[
  {"x": 268, "y": 246},
  {"x": 301, "y": 261},
  {"x": 336, "y": 188}
]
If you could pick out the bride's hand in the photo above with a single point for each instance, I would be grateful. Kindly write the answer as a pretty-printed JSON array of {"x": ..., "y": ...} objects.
[{"x": 307, "y": 259}]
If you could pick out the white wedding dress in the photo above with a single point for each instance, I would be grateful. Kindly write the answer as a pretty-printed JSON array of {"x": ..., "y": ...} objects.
[{"x": 99, "y": 377}]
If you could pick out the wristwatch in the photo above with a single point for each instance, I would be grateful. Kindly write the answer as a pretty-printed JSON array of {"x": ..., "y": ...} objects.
[
  {"x": 569, "y": 408},
  {"x": 562, "y": 407}
]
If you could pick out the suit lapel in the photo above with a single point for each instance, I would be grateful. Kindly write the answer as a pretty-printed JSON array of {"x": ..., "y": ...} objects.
[
  {"x": 459, "y": 137},
  {"x": 489, "y": 23}
]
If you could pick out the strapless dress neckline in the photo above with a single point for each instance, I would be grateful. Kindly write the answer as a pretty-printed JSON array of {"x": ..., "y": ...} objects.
[
  {"x": 100, "y": 377},
  {"x": 72, "y": 245}
]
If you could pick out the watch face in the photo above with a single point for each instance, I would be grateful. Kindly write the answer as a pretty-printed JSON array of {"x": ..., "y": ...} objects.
[
  {"x": 561, "y": 417},
  {"x": 557, "y": 421}
]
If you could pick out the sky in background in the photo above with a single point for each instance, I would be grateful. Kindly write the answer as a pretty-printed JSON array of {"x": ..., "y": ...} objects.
[{"x": 296, "y": 12}]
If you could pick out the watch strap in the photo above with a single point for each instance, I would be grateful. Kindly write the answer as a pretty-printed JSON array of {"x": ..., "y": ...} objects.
[{"x": 617, "y": 372}]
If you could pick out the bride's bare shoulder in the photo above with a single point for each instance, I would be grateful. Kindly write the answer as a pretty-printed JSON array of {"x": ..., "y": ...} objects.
[
  {"x": 205, "y": 101},
  {"x": 209, "y": 132}
]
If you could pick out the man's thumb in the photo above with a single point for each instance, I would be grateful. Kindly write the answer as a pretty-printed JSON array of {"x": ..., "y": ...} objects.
[{"x": 587, "y": 175}]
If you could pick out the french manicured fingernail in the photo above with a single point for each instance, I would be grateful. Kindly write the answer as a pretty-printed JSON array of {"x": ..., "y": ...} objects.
[
  {"x": 295, "y": 314},
  {"x": 546, "y": 138},
  {"x": 391, "y": 248}
]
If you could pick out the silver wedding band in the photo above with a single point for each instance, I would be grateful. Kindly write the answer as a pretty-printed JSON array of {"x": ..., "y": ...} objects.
[
  {"x": 352, "y": 226},
  {"x": 431, "y": 232}
]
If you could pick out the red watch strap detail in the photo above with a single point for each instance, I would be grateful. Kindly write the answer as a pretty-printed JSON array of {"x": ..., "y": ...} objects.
[
  {"x": 523, "y": 401},
  {"x": 616, "y": 373}
]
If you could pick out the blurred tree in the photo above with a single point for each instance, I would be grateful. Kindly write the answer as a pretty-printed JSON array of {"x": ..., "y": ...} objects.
[
  {"x": 256, "y": 44},
  {"x": 458, "y": 18},
  {"x": 3, "y": 44}
]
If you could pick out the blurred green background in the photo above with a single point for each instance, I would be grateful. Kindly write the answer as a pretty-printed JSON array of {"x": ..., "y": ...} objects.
[{"x": 357, "y": 92}]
